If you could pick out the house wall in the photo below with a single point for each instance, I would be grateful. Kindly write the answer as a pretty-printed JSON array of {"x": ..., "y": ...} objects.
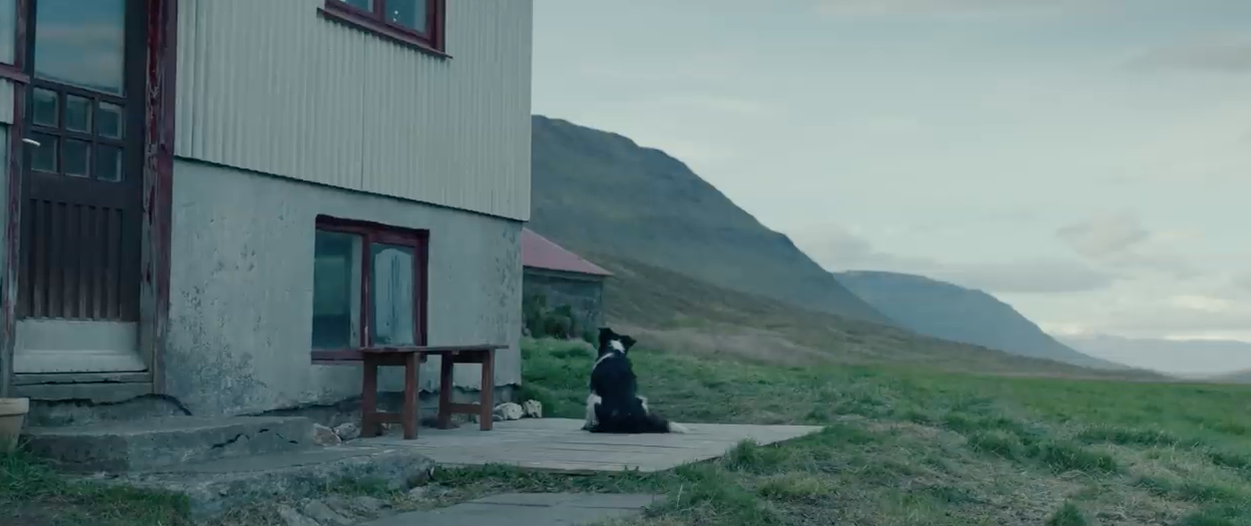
[
  {"x": 242, "y": 288},
  {"x": 584, "y": 294},
  {"x": 274, "y": 87}
]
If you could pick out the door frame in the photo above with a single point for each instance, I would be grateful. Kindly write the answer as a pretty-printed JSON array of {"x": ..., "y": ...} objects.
[{"x": 161, "y": 56}]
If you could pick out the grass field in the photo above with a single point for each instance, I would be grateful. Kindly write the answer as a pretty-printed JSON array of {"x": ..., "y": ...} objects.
[
  {"x": 902, "y": 446},
  {"x": 906, "y": 446}
]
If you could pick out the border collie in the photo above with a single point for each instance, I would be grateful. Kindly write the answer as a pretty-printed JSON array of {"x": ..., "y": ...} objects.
[{"x": 614, "y": 406}]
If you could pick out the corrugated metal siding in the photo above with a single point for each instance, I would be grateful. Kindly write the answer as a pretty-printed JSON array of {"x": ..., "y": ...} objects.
[{"x": 274, "y": 87}]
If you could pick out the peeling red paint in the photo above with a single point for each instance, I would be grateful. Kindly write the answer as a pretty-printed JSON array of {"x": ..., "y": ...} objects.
[{"x": 158, "y": 179}]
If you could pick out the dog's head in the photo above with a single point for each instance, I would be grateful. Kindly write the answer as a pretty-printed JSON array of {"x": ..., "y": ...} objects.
[{"x": 611, "y": 342}]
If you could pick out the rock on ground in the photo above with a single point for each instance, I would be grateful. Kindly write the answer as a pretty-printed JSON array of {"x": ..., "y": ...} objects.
[
  {"x": 294, "y": 518},
  {"x": 347, "y": 431},
  {"x": 509, "y": 411},
  {"x": 324, "y": 436}
]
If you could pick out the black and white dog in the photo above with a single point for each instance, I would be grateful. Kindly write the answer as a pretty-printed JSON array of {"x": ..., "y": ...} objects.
[{"x": 614, "y": 405}]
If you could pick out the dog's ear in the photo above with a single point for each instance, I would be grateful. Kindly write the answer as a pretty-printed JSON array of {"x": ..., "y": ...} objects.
[
  {"x": 605, "y": 335},
  {"x": 628, "y": 342}
]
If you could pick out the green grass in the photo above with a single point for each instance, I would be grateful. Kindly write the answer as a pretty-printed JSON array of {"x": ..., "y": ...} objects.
[
  {"x": 907, "y": 446},
  {"x": 900, "y": 446},
  {"x": 32, "y": 494}
]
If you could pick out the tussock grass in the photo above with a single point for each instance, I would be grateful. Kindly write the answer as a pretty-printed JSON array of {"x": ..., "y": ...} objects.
[{"x": 909, "y": 446}]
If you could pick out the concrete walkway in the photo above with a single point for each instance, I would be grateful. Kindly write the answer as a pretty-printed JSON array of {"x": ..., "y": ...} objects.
[{"x": 529, "y": 509}]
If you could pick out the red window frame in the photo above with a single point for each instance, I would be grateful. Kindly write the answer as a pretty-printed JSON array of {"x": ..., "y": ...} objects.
[
  {"x": 376, "y": 21},
  {"x": 370, "y": 233}
]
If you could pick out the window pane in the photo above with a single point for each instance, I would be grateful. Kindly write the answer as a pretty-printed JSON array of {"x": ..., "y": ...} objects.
[
  {"x": 408, "y": 13},
  {"x": 77, "y": 158},
  {"x": 46, "y": 110},
  {"x": 77, "y": 114},
  {"x": 81, "y": 43},
  {"x": 108, "y": 163},
  {"x": 8, "y": 20},
  {"x": 391, "y": 286},
  {"x": 43, "y": 157},
  {"x": 336, "y": 290},
  {"x": 109, "y": 120},
  {"x": 367, "y": 5}
]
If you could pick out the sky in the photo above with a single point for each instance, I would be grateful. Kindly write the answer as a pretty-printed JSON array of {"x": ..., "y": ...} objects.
[{"x": 1087, "y": 161}]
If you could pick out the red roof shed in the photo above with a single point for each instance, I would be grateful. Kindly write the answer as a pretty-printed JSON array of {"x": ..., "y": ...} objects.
[{"x": 541, "y": 253}]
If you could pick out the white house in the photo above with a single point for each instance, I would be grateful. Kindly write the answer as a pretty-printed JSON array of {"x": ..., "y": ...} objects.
[{"x": 203, "y": 193}]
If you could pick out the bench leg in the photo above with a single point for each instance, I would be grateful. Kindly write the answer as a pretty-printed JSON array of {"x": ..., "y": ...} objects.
[
  {"x": 446, "y": 386},
  {"x": 486, "y": 416},
  {"x": 369, "y": 398},
  {"x": 412, "y": 368}
]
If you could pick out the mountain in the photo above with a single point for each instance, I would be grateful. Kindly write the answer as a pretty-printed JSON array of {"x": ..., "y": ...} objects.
[
  {"x": 671, "y": 310},
  {"x": 595, "y": 191},
  {"x": 951, "y": 312},
  {"x": 693, "y": 271},
  {"x": 1238, "y": 377},
  {"x": 1217, "y": 359}
]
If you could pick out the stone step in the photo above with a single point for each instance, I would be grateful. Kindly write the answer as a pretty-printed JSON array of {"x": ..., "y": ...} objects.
[
  {"x": 213, "y": 488},
  {"x": 139, "y": 445}
]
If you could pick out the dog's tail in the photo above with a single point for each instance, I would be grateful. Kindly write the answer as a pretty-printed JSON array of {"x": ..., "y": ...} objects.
[{"x": 658, "y": 424}]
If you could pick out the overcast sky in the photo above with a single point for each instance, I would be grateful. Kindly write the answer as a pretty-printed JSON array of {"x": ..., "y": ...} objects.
[{"x": 1088, "y": 161}]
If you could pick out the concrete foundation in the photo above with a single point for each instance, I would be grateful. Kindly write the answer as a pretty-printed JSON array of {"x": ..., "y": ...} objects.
[
  {"x": 240, "y": 324},
  {"x": 156, "y": 443},
  {"x": 213, "y": 488}
]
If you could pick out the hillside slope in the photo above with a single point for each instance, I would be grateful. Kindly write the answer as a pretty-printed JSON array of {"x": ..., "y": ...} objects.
[
  {"x": 670, "y": 310},
  {"x": 595, "y": 191},
  {"x": 951, "y": 312}
]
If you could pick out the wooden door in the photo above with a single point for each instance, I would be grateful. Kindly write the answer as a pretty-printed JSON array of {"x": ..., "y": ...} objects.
[{"x": 78, "y": 297}]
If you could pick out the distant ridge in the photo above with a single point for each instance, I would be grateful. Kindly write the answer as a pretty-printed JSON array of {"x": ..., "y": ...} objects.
[{"x": 951, "y": 312}]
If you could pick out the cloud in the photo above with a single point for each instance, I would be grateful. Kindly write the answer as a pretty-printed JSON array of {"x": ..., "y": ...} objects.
[
  {"x": 838, "y": 248},
  {"x": 947, "y": 7},
  {"x": 1221, "y": 54},
  {"x": 737, "y": 106},
  {"x": 1040, "y": 276},
  {"x": 1181, "y": 315},
  {"x": 1242, "y": 283},
  {"x": 1121, "y": 241},
  {"x": 1202, "y": 303}
]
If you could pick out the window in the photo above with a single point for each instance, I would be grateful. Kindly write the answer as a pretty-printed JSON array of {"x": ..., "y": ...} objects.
[
  {"x": 369, "y": 285},
  {"x": 79, "y": 93},
  {"x": 414, "y": 22}
]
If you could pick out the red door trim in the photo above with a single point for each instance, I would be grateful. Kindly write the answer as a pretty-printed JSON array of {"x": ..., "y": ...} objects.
[{"x": 12, "y": 234}]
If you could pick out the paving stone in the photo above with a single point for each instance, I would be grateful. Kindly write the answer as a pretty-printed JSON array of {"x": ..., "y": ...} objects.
[{"x": 527, "y": 509}]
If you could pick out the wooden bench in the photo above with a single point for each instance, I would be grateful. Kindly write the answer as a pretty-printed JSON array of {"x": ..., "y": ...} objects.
[{"x": 411, "y": 358}]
